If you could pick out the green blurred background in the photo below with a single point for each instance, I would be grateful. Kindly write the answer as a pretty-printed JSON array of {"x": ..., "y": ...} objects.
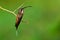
[{"x": 43, "y": 18}]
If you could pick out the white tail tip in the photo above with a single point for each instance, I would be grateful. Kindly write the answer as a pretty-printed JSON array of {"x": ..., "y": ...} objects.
[{"x": 16, "y": 33}]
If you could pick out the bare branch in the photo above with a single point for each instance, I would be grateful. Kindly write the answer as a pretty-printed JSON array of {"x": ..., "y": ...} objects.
[
  {"x": 8, "y": 11},
  {"x": 18, "y": 7}
]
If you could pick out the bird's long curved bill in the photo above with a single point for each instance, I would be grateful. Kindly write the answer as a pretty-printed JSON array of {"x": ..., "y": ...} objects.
[{"x": 26, "y": 7}]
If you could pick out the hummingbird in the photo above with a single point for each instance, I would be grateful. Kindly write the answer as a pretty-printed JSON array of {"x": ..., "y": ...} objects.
[{"x": 20, "y": 16}]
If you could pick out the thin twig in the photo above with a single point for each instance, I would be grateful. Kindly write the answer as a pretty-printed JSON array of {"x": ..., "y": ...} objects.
[
  {"x": 8, "y": 11},
  {"x": 12, "y": 12},
  {"x": 18, "y": 7}
]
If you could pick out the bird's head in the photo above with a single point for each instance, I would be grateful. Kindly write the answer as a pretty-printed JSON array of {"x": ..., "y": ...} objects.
[{"x": 21, "y": 10}]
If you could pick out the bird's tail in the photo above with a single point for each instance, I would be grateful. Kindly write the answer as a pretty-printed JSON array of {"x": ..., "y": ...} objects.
[
  {"x": 16, "y": 33},
  {"x": 16, "y": 26},
  {"x": 16, "y": 29}
]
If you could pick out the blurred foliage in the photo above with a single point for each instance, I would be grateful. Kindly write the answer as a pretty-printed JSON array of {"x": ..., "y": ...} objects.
[{"x": 43, "y": 17}]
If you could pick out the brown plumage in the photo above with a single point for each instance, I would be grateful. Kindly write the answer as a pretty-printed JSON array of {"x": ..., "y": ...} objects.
[{"x": 19, "y": 16}]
